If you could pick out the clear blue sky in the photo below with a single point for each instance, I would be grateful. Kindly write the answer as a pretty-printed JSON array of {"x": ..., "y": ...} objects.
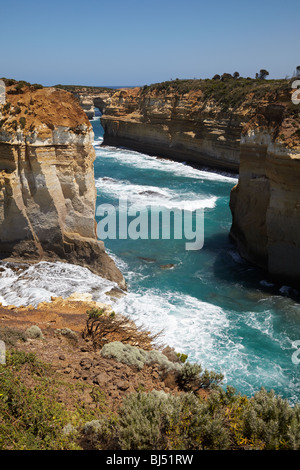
[{"x": 137, "y": 42}]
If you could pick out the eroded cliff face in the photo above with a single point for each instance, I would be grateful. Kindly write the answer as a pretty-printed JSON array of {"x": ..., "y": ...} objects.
[
  {"x": 173, "y": 125},
  {"x": 47, "y": 190},
  {"x": 247, "y": 126},
  {"x": 265, "y": 204}
]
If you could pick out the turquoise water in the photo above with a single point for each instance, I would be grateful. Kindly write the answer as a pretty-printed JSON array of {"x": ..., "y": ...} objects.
[{"x": 211, "y": 304}]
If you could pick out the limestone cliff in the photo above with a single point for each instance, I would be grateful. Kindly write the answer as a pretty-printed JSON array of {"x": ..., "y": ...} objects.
[
  {"x": 47, "y": 190},
  {"x": 199, "y": 121},
  {"x": 245, "y": 125},
  {"x": 265, "y": 204},
  {"x": 172, "y": 125}
]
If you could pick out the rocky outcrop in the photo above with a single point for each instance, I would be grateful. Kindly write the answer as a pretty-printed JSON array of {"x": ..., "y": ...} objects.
[
  {"x": 265, "y": 204},
  {"x": 90, "y": 98},
  {"x": 47, "y": 190}
]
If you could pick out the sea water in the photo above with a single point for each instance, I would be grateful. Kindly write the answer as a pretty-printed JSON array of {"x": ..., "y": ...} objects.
[{"x": 208, "y": 303}]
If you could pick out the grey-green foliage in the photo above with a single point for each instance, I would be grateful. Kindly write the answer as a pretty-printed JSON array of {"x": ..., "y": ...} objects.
[
  {"x": 101, "y": 433},
  {"x": 69, "y": 429},
  {"x": 34, "y": 332},
  {"x": 134, "y": 356},
  {"x": 210, "y": 379},
  {"x": 11, "y": 336},
  {"x": 271, "y": 419},
  {"x": 68, "y": 333},
  {"x": 143, "y": 419},
  {"x": 93, "y": 427},
  {"x": 190, "y": 376},
  {"x": 157, "y": 420}
]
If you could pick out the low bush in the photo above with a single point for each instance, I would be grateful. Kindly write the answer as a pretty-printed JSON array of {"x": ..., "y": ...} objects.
[
  {"x": 103, "y": 327},
  {"x": 11, "y": 336},
  {"x": 30, "y": 417},
  {"x": 190, "y": 378},
  {"x": 100, "y": 433},
  {"x": 272, "y": 421},
  {"x": 33, "y": 417},
  {"x": 137, "y": 357},
  {"x": 224, "y": 420},
  {"x": 68, "y": 333},
  {"x": 157, "y": 420},
  {"x": 34, "y": 332},
  {"x": 22, "y": 122}
]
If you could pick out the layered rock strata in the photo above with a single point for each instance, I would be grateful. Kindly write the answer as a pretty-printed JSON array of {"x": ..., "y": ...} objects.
[
  {"x": 247, "y": 126},
  {"x": 47, "y": 189},
  {"x": 174, "y": 126},
  {"x": 265, "y": 204}
]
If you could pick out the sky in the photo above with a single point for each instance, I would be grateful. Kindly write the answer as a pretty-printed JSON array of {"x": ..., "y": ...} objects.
[{"x": 137, "y": 42}]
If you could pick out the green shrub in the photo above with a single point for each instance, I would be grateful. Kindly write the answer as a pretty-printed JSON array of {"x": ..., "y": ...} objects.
[
  {"x": 182, "y": 357},
  {"x": 17, "y": 359},
  {"x": 6, "y": 106},
  {"x": 100, "y": 433},
  {"x": 188, "y": 375},
  {"x": 156, "y": 420},
  {"x": 22, "y": 122},
  {"x": 36, "y": 86},
  {"x": 30, "y": 417},
  {"x": 210, "y": 379},
  {"x": 144, "y": 419},
  {"x": 224, "y": 420},
  {"x": 125, "y": 353},
  {"x": 271, "y": 420}
]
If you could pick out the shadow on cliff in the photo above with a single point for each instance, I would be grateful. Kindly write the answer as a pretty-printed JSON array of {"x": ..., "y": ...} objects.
[{"x": 231, "y": 268}]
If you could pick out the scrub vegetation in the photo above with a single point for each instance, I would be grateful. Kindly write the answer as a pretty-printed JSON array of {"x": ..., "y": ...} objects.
[{"x": 40, "y": 409}]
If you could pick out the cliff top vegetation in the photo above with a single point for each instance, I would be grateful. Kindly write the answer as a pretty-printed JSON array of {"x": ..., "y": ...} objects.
[
  {"x": 85, "y": 88},
  {"x": 60, "y": 391},
  {"x": 225, "y": 90}
]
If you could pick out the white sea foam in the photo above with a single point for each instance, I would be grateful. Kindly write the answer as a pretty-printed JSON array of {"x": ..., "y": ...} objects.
[
  {"x": 202, "y": 330},
  {"x": 98, "y": 142},
  {"x": 139, "y": 160},
  {"x": 143, "y": 195},
  {"x": 38, "y": 283}
]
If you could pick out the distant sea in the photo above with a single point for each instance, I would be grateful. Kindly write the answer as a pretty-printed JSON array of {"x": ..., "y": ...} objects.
[{"x": 211, "y": 304}]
